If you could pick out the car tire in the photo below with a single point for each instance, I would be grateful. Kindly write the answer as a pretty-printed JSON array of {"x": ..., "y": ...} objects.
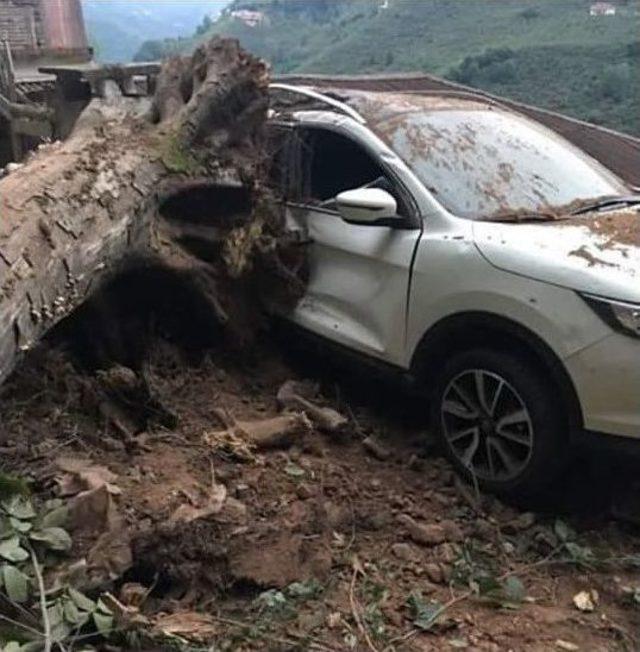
[{"x": 510, "y": 436}]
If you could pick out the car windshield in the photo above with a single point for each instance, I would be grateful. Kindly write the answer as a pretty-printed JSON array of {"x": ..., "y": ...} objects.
[{"x": 484, "y": 163}]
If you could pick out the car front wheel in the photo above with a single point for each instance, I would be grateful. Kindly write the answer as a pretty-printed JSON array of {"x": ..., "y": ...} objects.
[{"x": 500, "y": 421}]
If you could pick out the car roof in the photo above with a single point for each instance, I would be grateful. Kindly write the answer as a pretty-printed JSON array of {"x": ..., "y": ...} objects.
[{"x": 373, "y": 107}]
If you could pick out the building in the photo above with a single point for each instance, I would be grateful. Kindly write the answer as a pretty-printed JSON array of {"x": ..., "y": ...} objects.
[
  {"x": 35, "y": 34},
  {"x": 44, "y": 30},
  {"x": 249, "y": 18},
  {"x": 602, "y": 9}
]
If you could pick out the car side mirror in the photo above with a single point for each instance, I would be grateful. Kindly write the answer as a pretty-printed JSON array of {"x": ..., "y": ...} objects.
[{"x": 366, "y": 205}]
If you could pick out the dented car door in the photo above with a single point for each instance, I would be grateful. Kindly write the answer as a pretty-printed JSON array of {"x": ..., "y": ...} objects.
[{"x": 358, "y": 274}]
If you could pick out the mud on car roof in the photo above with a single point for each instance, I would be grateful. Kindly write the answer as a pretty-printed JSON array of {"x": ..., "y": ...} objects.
[{"x": 370, "y": 107}]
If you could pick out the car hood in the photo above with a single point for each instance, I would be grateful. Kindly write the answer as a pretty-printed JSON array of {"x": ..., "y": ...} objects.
[{"x": 595, "y": 253}]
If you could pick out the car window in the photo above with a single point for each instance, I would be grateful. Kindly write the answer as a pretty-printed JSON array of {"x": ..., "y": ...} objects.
[
  {"x": 480, "y": 163},
  {"x": 333, "y": 163}
]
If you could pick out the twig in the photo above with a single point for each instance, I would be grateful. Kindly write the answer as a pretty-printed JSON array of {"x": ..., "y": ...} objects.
[
  {"x": 16, "y": 623},
  {"x": 467, "y": 594},
  {"x": 445, "y": 607},
  {"x": 354, "y": 607},
  {"x": 315, "y": 644},
  {"x": 43, "y": 601}
]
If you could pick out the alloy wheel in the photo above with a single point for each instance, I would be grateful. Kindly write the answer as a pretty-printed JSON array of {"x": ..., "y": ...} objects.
[{"x": 487, "y": 425}]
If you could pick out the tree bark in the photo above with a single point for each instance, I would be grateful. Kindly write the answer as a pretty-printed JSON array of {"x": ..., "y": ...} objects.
[{"x": 81, "y": 211}]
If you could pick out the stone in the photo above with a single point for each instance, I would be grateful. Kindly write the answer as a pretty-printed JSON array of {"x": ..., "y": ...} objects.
[
  {"x": 521, "y": 523},
  {"x": 404, "y": 551},
  {"x": 376, "y": 449},
  {"x": 453, "y": 532},
  {"x": 430, "y": 534},
  {"x": 483, "y": 529},
  {"x": 304, "y": 491},
  {"x": 434, "y": 573}
]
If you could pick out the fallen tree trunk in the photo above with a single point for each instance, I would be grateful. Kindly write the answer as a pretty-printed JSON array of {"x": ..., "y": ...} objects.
[{"x": 120, "y": 191}]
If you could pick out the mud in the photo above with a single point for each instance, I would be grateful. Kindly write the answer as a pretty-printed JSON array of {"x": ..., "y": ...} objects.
[{"x": 317, "y": 544}]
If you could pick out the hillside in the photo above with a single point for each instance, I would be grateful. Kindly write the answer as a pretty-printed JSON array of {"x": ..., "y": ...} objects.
[
  {"x": 546, "y": 52},
  {"x": 118, "y": 28}
]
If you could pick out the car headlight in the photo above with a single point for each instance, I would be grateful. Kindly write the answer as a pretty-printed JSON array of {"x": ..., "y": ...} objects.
[{"x": 622, "y": 317}]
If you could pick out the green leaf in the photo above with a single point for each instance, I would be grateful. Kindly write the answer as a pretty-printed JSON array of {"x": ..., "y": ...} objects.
[
  {"x": 73, "y": 615},
  {"x": 10, "y": 486},
  {"x": 487, "y": 584},
  {"x": 563, "y": 531},
  {"x": 16, "y": 583},
  {"x": 55, "y": 537},
  {"x": 81, "y": 600},
  {"x": 580, "y": 554},
  {"x": 6, "y": 529},
  {"x": 294, "y": 470},
  {"x": 425, "y": 614},
  {"x": 12, "y": 646},
  {"x": 272, "y": 599},
  {"x": 102, "y": 608},
  {"x": 56, "y": 613},
  {"x": 514, "y": 590},
  {"x": 303, "y": 589},
  {"x": 104, "y": 623},
  {"x": 508, "y": 594},
  {"x": 60, "y": 631},
  {"x": 57, "y": 517},
  {"x": 19, "y": 507},
  {"x": 11, "y": 550},
  {"x": 20, "y": 526}
]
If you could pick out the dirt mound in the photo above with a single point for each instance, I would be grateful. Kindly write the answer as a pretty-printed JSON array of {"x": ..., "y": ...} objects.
[{"x": 323, "y": 543}]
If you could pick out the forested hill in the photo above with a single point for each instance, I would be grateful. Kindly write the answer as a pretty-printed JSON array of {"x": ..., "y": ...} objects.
[{"x": 551, "y": 53}]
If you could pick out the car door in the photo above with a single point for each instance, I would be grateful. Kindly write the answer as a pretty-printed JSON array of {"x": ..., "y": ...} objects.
[{"x": 358, "y": 274}]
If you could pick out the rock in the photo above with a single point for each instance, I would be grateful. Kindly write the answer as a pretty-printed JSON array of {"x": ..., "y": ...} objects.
[
  {"x": 333, "y": 619},
  {"x": 13, "y": 167},
  {"x": 334, "y": 516},
  {"x": 304, "y": 491},
  {"x": 133, "y": 594},
  {"x": 110, "y": 557},
  {"x": 416, "y": 463},
  {"x": 298, "y": 396},
  {"x": 404, "y": 551},
  {"x": 434, "y": 573},
  {"x": 521, "y": 523},
  {"x": 278, "y": 559},
  {"x": 586, "y": 600},
  {"x": 483, "y": 529},
  {"x": 233, "y": 512},
  {"x": 424, "y": 534},
  {"x": 242, "y": 490},
  {"x": 393, "y": 616},
  {"x": 453, "y": 532},
  {"x": 448, "y": 552},
  {"x": 508, "y": 547},
  {"x": 376, "y": 449},
  {"x": 373, "y": 521}
]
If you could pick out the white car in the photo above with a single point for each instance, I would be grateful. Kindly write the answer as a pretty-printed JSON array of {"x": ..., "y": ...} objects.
[{"x": 474, "y": 249}]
